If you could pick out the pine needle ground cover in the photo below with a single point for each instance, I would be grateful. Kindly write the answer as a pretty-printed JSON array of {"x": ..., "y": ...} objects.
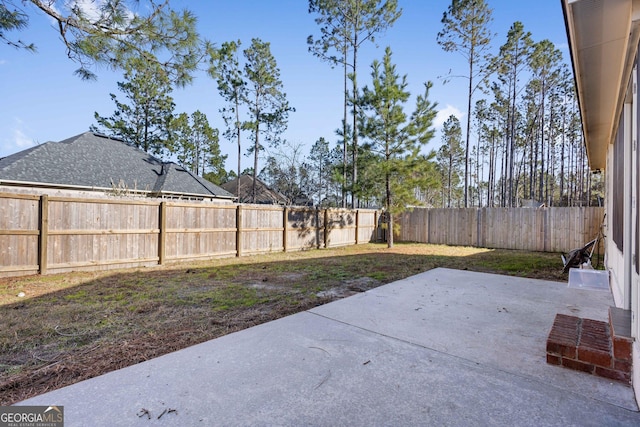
[{"x": 61, "y": 329}]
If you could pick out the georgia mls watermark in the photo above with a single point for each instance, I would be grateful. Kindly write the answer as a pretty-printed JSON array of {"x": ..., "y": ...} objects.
[{"x": 31, "y": 416}]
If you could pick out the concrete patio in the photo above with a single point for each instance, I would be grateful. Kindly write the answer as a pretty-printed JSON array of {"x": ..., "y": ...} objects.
[{"x": 444, "y": 347}]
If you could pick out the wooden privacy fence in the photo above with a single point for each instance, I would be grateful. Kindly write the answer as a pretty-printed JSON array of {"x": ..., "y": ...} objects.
[
  {"x": 42, "y": 234},
  {"x": 544, "y": 229}
]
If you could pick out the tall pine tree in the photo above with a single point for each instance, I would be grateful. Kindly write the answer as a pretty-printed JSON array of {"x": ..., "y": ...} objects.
[
  {"x": 114, "y": 32},
  {"x": 345, "y": 25},
  {"x": 225, "y": 68},
  {"x": 265, "y": 99},
  {"x": 466, "y": 31},
  {"x": 395, "y": 137},
  {"x": 144, "y": 119},
  {"x": 450, "y": 157}
]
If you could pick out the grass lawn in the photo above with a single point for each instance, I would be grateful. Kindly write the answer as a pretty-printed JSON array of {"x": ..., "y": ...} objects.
[{"x": 69, "y": 327}]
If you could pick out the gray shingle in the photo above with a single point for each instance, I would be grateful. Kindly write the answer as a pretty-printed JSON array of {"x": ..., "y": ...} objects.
[
  {"x": 264, "y": 194},
  {"x": 94, "y": 161}
]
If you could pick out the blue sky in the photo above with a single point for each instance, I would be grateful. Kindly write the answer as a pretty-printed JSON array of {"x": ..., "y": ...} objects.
[{"x": 43, "y": 101}]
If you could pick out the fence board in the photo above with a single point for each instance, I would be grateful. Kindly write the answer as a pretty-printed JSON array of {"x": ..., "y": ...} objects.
[
  {"x": 262, "y": 229},
  {"x": 199, "y": 231},
  {"x": 91, "y": 234},
  {"x": 556, "y": 229},
  {"x": 341, "y": 227},
  {"x": 367, "y": 226},
  {"x": 85, "y": 232},
  {"x": 19, "y": 234},
  {"x": 303, "y": 228}
]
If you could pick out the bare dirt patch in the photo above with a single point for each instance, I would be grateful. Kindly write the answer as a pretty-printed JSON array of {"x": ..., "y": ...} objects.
[{"x": 61, "y": 329}]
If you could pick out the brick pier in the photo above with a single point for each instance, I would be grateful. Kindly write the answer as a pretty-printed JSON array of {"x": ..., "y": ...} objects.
[{"x": 592, "y": 346}]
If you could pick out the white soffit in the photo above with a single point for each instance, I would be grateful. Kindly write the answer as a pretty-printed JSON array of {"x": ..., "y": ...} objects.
[{"x": 603, "y": 40}]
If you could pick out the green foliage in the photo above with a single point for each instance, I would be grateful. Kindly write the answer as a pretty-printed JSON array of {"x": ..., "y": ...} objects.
[
  {"x": 466, "y": 31},
  {"x": 395, "y": 138},
  {"x": 145, "y": 119},
  {"x": 514, "y": 52},
  {"x": 466, "y": 28},
  {"x": 344, "y": 27},
  {"x": 255, "y": 87},
  {"x": 196, "y": 144},
  {"x": 450, "y": 158},
  {"x": 509, "y": 64},
  {"x": 225, "y": 68},
  {"x": 544, "y": 62},
  {"x": 113, "y": 32},
  {"x": 321, "y": 164},
  {"x": 427, "y": 191},
  {"x": 544, "y": 59},
  {"x": 265, "y": 99},
  {"x": 12, "y": 18},
  {"x": 220, "y": 177}
]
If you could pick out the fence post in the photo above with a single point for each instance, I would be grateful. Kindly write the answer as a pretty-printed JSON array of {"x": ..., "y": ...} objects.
[
  {"x": 326, "y": 228},
  {"x": 285, "y": 225},
  {"x": 357, "y": 225},
  {"x": 317, "y": 227},
  {"x": 375, "y": 226},
  {"x": 162, "y": 235},
  {"x": 478, "y": 227},
  {"x": 44, "y": 234},
  {"x": 239, "y": 231},
  {"x": 547, "y": 232}
]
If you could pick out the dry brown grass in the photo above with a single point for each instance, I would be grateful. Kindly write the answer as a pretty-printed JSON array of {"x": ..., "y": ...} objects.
[{"x": 72, "y": 327}]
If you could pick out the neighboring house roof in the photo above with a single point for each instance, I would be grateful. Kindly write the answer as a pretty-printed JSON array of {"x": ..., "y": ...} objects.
[
  {"x": 97, "y": 162},
  {"x": 264, "y": 195}
]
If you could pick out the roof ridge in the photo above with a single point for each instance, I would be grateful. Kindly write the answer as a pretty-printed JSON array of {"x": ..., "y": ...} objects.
[
  {"x": 91, "y": 160},
  {"x": 198, "y": 179},
  {"x": 24, "y": 154}
]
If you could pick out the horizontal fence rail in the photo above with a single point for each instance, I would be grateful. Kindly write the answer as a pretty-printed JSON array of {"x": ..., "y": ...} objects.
[
  {"x": 47, "y": 234},
  {"x": 558, "y": 229}
]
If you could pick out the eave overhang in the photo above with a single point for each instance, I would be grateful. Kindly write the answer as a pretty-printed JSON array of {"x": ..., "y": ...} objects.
[{"x": 603, "y": 40}]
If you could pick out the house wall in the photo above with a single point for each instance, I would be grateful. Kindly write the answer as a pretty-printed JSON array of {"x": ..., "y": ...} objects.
[
  {"x": 58, "y": 192},
  {"x": 613, "y": 256},
  {"x": 632, "y": 164},
  {"x": 100, "y": 194},
  {"x": 622, "y": 221}
]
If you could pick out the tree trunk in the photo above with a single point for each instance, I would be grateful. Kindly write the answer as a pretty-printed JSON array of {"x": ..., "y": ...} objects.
[
  {"x": 449, "y": 177},
  {"x": 466, "y": 150},
  {"x": 532, "y": 158},
  {"x": 512, "y": 132},
  {"x": 504, "y": 166},
  {"x": 548, "y": 193},
  {"x": 542, "y": 165},
  {"x": 492, "y": 166},
  {"x": 389, "y": 214},
  {"x": 256, "y": 148},
  {"x": 562, "y": 160},
  {"x": 354, "y": 199},
  {"x": 582, "y": 171},
  {"x": 237, "y": 101},
  {"x": 478, "y": 172},
  {"x": 344, "y": 131}
]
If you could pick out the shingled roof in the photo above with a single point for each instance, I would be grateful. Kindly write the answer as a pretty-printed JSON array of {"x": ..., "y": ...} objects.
[
  {"x": 95, "y": 162},
  {"x": 264, "y": 194}
]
